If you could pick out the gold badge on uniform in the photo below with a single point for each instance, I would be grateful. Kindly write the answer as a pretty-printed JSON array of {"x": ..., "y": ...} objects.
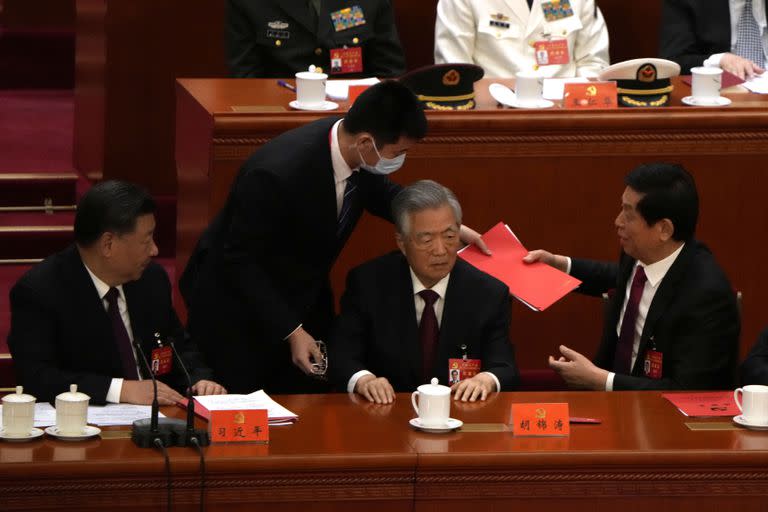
[
  {"x": 451, "y": 78},
  {"x": 498, "y": 20},
  {"x": 276, "y": 30}
]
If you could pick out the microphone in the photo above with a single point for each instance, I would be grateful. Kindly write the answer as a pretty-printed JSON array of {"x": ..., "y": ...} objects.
[
  {"x": 146, "y": 432},
  {"x": 190, "y": 432}
]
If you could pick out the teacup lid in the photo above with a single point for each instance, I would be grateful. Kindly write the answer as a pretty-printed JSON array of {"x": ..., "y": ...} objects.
[
  {"x": 73, "y": 395},
  {"x": 19, "y": 396},
  {"x": 434, "y": 388}
]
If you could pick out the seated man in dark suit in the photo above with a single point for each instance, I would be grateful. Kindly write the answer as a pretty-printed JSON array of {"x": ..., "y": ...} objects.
[
  {"x": 754, "y": 369},
  {"x": 673, "y": 321},
  {"x": 76, "y": 315},
  {"x": 717, "y": 33},
  {"x": 277, "y": 38},
  {"x": 406, "y": 314}
]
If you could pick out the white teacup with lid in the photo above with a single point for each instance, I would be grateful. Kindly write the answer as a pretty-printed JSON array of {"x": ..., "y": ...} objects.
[
  {"x": 72, "y": 412},
  {"x": 18, "y": 413},
  {"x": 434, "y": 404}
]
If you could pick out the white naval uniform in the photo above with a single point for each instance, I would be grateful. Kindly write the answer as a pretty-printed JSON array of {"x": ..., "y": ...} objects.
[{"x": 464, "y": 33}]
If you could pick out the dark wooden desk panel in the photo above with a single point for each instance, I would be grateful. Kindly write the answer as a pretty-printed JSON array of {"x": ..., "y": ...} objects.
[
  {"x": 555, "y": 176},
  {"x": 345, "y": 454}
]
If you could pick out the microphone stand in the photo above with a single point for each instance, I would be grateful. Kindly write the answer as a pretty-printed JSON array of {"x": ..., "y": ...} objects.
[
  {"x": 190, "y": 432},
  {"x": 147, "y": 432}
]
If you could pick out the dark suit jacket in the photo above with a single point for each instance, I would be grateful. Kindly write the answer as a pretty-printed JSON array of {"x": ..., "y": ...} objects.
[
  {"x": 252, "y": 38},
  {"x": 754, "y": 369},
  {"x": 692, "y": 30},
  {"x": 693, "y": 321},
  {"x": 377, "y": 328},
  {"x": 61, "y": 334},
  {"x": 261, "y": 268}
]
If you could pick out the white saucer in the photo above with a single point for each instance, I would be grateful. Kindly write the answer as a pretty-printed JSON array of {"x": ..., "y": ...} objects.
[
  {"x": 506, "y": 96},
  {"x": 328, "y": 105},
  {"x": 88, "y": 432},
  {"x": 451, "y": 425},
  {"x": 33, "y": 434},
  {"x": 719, "y": 102},
  {"x": 753, "y": 426}
]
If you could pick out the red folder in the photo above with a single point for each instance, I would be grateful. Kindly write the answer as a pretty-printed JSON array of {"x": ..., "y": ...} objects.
[
  {"x": 704, "y": 405},
  {"x": 536, "y": 285},
  {"x": 728, "y": 80}
]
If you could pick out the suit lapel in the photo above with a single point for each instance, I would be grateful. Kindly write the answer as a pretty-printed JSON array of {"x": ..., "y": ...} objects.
[
  {"x": 535, "y": 18},
  {"x": 299, "y": 11},
  {"x": 450, "y": 337},
  {"x": 407, "y": 329},
  {"x": 519, "y": 10}
]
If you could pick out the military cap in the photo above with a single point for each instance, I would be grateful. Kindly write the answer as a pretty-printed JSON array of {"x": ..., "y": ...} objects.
[
  {"x": 444, "y": 86},
  {"x": 642, "y": 82}
]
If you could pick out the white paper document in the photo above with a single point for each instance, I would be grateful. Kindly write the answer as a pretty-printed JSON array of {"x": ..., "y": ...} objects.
[
  {"x": 554, "y": 88},
  {"x": 118, "y": 414},
  {"x": 758, "y": 84},
  {"x": 277, "y": 414},
  {"x": 339, "y": 89},
  {"x": 45, "y": 415}
]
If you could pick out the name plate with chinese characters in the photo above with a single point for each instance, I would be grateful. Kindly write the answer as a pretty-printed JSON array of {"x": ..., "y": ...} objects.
[
  {"x": 590, "y": 95},
  {"x": 540, "y": 420},
  {"x": 239, "y": 425}
]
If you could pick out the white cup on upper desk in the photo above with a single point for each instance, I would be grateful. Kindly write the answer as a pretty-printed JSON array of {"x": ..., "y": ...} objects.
[
  {"x": 72, "y": 412},
  {"x": 310, "y": 88},
  {"x": 433, "y": 405},
  {"x": 753, "y": 404},
  {"x": 18, "y": 413},
  {"x": 528, "y": 87},
  {"x": 706, "y": 83}
]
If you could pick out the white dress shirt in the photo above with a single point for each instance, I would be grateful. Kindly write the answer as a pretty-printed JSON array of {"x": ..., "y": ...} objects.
[
  {"x": 736, "y": 7},
  {"x": 116, "y": 386},
  {"x": 440, "y": 288}
]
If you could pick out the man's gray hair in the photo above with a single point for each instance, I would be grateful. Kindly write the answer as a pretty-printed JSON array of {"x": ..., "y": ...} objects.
[{"x": 418, "y": 196}]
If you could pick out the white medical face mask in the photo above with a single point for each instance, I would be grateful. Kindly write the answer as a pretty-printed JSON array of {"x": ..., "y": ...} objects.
[{"x": 385, "y": 165}]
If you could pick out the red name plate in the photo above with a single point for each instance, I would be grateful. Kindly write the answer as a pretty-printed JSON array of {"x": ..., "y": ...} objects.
[
  {"x": 590, "y": 95},
  {"x": 237, "y": 426},
  {"x": 540, "y": 420}
]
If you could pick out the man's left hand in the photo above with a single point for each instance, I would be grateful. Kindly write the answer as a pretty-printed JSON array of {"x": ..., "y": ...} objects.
[
  {"x": 578, "y": 371},
  {"x": 208, "y": 387},
  {"x": 478, "y": 387},
  {"x": 469, "y": 236}
]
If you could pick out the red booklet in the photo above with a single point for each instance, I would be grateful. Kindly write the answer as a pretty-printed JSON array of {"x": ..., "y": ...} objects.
[
  {"x": 536, "y": 285},
  {"x": 705, "y": 404}
]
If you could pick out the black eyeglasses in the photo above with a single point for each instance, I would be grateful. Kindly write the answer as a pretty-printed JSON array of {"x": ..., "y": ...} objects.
[{"x": 319, "y": 368}]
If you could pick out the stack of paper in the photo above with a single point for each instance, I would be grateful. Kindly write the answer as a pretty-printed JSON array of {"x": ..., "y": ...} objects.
[
  {"x": 758, "y": 84},
  {"x": 277, "y": 414},
  {"x": 704, "y": 405},
  {"x": 536, "y": 285}
]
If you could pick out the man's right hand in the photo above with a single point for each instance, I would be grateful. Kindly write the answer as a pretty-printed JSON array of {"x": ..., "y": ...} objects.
[
  {"x": 739, "y": 66},
  {"x": 141, "y": 392},
  {"x": 304, "y": 350},
  {"x": 553, "y": 260},
  {"x": 375, "y": 389}
]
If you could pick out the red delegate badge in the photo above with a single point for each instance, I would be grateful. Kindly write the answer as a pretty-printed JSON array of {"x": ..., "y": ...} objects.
[
  {"x": 162, "y": 360},
  {"x": 347, "y": 60},
  {"x": 653, "y": 364},
  {"x": 551, "y": 51},
  {"x": 462, "y": 369}
]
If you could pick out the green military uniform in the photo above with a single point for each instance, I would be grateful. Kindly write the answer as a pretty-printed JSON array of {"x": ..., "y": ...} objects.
[{"x": 277, "y": 38}]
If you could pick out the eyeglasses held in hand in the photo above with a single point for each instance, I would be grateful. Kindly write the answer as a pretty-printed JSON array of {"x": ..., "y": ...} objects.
[{"x": 319, "y": 368}]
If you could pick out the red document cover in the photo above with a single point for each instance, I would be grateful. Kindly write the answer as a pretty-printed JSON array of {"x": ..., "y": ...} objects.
[
  {"x": 703, "y": 405},
  {"x": 536, "y": 285}
]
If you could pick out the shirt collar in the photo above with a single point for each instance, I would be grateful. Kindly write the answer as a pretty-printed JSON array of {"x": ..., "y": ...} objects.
[
  {"x": 655, "y": 272},
  {"x": 440, "y": 287},
  {"x": 341, "y": 170},
  {"x": 101, "y": 287}
]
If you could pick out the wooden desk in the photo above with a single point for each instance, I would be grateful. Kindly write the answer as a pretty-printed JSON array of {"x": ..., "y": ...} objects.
[
  {"x": 555, "y": 176},
  {"x": 346, "y": 455}
]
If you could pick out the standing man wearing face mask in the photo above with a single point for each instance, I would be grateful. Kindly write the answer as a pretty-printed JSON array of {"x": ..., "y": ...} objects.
[{"x": 257, "y": 286}]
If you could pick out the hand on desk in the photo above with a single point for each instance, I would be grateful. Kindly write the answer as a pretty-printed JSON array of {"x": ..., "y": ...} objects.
[
  {"x": 141, "y": 392},
  {"x": 578, "y": 371},
  {"x": 304, "y": 350},
  {"x": 208, "y": 387},
  {"x": 478, "y": 387},
  {"x": 553, "y": 260},
  {"x": 470, "y": 236},
  {"x": 739, "y": 66},
  {"x": 375, "y": 389}
]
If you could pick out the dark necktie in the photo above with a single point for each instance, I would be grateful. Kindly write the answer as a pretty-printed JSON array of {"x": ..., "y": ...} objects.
[
  {"x": 530, "y": 4},
  {"x": 749, "y": 42},
  {"x": 346, "y": 205},
  {"x": 429, "y": 332},
  {"x": 623, "y": 359},
  {"x": 121, "y": 336}
]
